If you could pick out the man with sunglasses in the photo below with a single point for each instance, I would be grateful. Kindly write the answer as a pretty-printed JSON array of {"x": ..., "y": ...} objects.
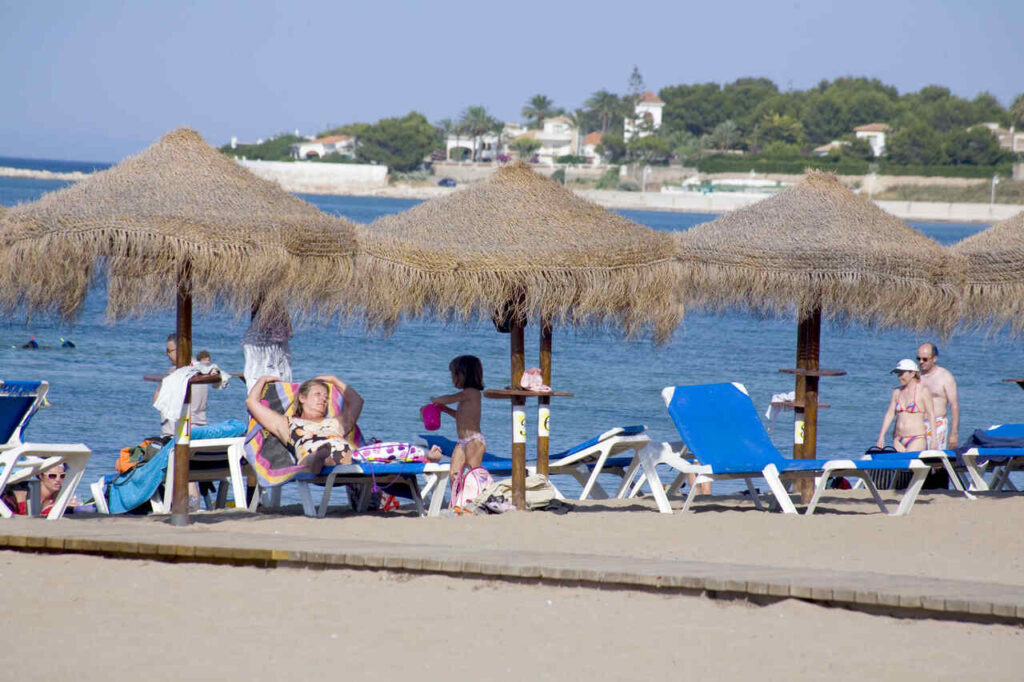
[{"x": 940, "y": 383}]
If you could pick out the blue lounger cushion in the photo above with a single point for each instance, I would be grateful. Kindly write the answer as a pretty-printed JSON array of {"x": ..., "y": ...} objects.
[
  {"x": 496, "y": 464},
  {"x": 722, "y": 429}
]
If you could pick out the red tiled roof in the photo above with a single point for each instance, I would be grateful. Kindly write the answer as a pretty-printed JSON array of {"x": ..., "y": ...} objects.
[
  {"x": 651, "y": 98},
  {"x": 333, "y": 139},
  {"x": 592, "y": 138},
  {"x": 873, "y": 128}
]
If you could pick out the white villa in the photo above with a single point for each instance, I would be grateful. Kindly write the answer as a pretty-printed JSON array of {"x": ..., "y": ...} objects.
[
  {"x": 489, "y": 143},
  {"x": 1011, "y": 140},
  {"x": 345, "y": 145},
  {"x": 875, "y": 134},
  {"x": 647, "y": 117},
  {"x": 589, "y": 149},
  {"x": 557, "y": 137}
]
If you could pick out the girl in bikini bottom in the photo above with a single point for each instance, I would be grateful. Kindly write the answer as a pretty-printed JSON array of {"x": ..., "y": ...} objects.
[
  {"x": 472, "y": 437},
  {"x": 907, "y": 440}
]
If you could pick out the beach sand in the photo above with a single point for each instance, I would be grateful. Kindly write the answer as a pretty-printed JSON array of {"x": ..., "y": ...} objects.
[{"x": 96, "y": 618}]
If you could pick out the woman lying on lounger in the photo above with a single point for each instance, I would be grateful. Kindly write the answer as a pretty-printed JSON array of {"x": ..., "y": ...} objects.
[{"x": 316, "y": 439}]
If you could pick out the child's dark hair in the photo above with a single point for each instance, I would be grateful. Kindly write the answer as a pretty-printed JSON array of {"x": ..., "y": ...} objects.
[
  {"x": 203, "y": 355},
  {"x": 467, "y": 372}
]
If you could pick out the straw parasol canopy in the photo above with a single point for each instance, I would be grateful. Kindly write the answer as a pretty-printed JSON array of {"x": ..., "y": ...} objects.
[
  {"x": 180, "y": 209},
  {"x": 522, "y": 244},
  {"x": 819, "y": 245},
  {"x": 993, "y": 291},
  {"x": 818, "y": 248}
]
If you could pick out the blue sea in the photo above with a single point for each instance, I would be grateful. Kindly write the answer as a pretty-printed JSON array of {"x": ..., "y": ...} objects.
[{"x": 98, "y": 395}]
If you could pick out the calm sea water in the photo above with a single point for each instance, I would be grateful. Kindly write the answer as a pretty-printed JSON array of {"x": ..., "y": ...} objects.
[{"x": 99, "y": 397}]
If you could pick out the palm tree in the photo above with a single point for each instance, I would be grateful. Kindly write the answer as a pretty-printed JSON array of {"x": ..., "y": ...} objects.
[
  {"x": 539, "y": 107},
  {"x": 579, "y": 121},
  {"x": 447, "y": 127},
  {"x": 476, "y": 122},
  {"x": 606, "y": 105}
]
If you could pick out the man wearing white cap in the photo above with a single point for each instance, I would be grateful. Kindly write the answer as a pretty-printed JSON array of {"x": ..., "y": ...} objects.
[{"x": 940, "y": 383}]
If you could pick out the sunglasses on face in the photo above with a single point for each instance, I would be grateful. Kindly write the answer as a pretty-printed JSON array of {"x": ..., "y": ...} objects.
[
  {"x": 54, "y": 477},
  {"x": 920, "y": 359}
]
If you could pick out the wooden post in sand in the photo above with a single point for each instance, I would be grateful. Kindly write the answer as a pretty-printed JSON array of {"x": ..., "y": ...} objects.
[
  {"x": 517, "y": 359},
  {"x": 183, "y": 429},
  {"x": 544, "y": 402}
]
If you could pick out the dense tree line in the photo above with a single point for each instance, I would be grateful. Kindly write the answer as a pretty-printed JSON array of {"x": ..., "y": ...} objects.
[{"x": 749, "y": 116}]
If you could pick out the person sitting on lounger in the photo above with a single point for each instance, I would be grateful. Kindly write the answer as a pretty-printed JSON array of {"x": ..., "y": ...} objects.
[
  {"x": 910, "y": 406},
  {"x": 316, "y": 439},
  {"x": 51, "y": 482}
]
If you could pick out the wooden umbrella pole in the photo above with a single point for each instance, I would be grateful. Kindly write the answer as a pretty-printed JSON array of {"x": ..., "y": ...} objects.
[
  {"x": 183, "y": 429},
  {"x": 517, "y": 348},
  {"x": 544, "y": 402},
  {"x": 812, "y": 353},
  {"x": 798, "y": 392}
]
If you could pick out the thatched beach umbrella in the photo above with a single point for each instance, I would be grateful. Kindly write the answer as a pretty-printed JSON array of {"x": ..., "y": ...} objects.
[
  {"x": 819, "y": 248},
  {"x": 178, "y": 223},
  {"x": 515, "y": 248},
  {"x": 993, "y": 290}
]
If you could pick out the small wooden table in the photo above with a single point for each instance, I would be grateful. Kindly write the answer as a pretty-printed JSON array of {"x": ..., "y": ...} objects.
[
  {"x": 805, "y": 407},
  {"x": 518, "y": 397}
]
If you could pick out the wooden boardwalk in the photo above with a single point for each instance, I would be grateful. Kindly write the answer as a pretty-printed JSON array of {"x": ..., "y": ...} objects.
[{"x": 900, "y": 595}]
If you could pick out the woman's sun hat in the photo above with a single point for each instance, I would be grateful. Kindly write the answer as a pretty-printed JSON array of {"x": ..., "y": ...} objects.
[
  {"x": 906, "y": 365},
  {"x": 431, "y": 417}
]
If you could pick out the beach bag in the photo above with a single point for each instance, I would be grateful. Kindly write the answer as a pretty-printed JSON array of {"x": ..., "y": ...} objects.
[
  {"x": 539, "y": 493},
  {"x": 134, "y": 455},
  {"x": 467, "y": 486}
]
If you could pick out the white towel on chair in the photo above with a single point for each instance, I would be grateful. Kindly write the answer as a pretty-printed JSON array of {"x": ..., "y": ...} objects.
[
  {"x": 776, "y": 405},
  {"x": 172, "y": 389}
]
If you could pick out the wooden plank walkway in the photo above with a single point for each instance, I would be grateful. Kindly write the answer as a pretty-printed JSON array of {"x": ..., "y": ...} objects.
[{"x": 900, "y": 595}]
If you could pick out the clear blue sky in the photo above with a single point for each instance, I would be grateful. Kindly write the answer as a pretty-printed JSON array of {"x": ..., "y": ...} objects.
[{"x": 99, "y": 80}]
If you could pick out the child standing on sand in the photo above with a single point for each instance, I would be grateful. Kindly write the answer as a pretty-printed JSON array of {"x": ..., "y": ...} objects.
[{"x": 468, "y": 377}]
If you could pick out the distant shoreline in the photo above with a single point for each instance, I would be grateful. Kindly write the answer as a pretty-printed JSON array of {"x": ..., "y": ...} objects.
[{"x": 676, "y": 202}]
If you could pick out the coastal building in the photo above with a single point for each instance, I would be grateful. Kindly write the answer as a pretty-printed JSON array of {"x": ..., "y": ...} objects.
[
  {"x": 875, "y": 134},
  {"x": 1011, "y": 140},
  {"x": 491, "y": 144},
  {"x": 646, "y": 119},
  {"x": 826, "y": 149},
  {"x": 557, "y": 137},
  {"x": 344, "y": 145},
  {"x": 589, "y": 148}
]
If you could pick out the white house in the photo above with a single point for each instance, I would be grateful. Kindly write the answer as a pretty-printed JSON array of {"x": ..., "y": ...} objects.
[
  {"x": 490, "y": 143},
  {"x": 345, "y": 145},
  {"x": 589, "y": 150},
  {"x": 647, "y": 117},
  {"x": 1011, "y": 140},
  {"x": 875, "y": 134},
  {"x": 557, "y": 138}
]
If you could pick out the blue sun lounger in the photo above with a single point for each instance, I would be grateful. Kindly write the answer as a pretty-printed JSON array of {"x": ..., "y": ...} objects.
[
  {"x": 724, "y": 438},
  {"x": 584, "y": 461},
  {"x": 22, "y": 462},
  {"x": 396, "y": 478},
  {"x": 1000, "y": 448}
]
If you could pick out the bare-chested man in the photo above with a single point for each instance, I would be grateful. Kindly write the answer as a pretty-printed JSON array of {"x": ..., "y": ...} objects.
[{"x": 940, "y": 383}]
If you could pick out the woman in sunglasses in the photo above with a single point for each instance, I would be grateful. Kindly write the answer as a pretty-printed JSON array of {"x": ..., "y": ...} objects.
[
  {"x": 910, "y": 407},
  {"x": 51, "y": 482}
]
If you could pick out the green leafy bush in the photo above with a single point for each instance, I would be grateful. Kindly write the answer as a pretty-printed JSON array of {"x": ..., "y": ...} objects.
[
  {"x": 610, "y": 180},
  {"x": 629, "y": 186},
  {"x": 569, "y": 158}
]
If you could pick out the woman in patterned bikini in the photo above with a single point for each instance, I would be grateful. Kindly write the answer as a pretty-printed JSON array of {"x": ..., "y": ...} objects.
[
  {"x": 316, "y": 439},
  {"x": 910, "y": 406}
]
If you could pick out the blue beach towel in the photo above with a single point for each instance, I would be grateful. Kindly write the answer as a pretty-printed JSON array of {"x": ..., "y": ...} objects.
[{"x": 134, "y": 487}]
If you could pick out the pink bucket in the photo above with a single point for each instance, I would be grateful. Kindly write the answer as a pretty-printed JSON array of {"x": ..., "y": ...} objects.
[{"x": 431, "y": 417}]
